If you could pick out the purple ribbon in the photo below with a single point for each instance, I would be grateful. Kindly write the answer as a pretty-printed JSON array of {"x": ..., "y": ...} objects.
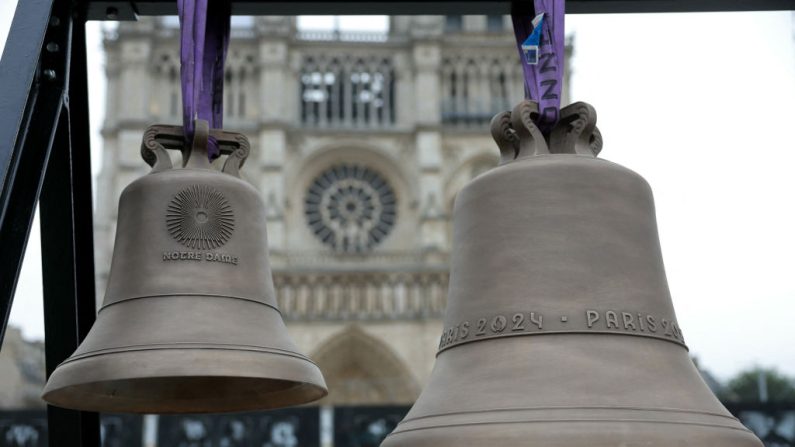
[
  {"x": 543, "y": 81},
  {"x": 204, "y": 39}
]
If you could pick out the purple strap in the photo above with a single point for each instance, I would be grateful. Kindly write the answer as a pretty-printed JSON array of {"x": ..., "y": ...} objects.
[
  {"x": 204, "y": 39},
  {"x": 543, "y": 82}
]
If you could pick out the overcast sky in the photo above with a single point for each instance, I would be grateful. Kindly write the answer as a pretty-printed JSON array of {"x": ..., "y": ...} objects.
[{"x": 702, "y": 106}]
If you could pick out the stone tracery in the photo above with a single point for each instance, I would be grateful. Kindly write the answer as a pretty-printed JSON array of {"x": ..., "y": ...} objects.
[{"x": 351, "y": 208}]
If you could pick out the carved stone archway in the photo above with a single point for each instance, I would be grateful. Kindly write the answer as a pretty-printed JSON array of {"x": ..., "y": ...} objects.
[{"x": 361, "y": 370}]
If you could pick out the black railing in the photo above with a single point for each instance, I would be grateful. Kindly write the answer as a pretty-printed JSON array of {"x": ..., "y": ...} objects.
[
  {"x": 343, "y": 426},
  {"x": 29, "y": 428},
  {"x": 773, "y": 422}
]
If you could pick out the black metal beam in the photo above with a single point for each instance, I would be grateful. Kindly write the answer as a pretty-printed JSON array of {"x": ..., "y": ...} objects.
[
  {"x": 80, "y": 131},
  {"x": 64, "y": 304},
  {"x": 30, "y": 104},
  {"x": 127, "y": 10},
  {"x": 65, "y": 210}
]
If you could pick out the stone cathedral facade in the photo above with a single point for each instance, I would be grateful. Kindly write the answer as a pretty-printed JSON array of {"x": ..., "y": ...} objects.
[{"x": 360, "y": 142}]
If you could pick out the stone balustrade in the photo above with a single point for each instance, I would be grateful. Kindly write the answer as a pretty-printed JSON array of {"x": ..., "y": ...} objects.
[
  {"x": 361, "y": 295},
  {"x": 343, "y": 36}
]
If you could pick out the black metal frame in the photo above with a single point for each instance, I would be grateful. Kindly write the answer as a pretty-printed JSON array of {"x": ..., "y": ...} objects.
[
  {"x": 45, "y": 144},
  {"x": 44, "y": 154},
  {"x": 127, "y": 10}
]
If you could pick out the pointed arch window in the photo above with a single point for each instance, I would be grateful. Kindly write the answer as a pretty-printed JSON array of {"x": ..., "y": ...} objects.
[{"x": 347, "y": 91}]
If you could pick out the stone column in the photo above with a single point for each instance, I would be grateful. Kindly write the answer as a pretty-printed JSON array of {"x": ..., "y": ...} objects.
[
  {"x": 277, "y": 111},
  {"x": 135, "y": 48},
  {"x": 474, "y": 23},
  {"x": 428, "y": 142},
  {"x": 128, "y": 68},
  {"x": 104, "y": 214}
]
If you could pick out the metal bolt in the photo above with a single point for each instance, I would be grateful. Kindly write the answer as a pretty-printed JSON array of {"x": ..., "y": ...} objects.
[
  {"x": 49, "y": 74},
  {"x": 55, "y": 21},
  {"x": 112, "y": 13},
  {"x": 52, "y": 47}
]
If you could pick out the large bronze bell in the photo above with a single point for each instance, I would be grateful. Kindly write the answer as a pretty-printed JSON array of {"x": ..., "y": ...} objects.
[
  {"x": 189, "y": 323},
  {"x": 559, "y": 328}
]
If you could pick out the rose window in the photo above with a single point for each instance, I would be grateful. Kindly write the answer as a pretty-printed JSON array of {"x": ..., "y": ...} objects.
[{"x": 350, "y": 208}]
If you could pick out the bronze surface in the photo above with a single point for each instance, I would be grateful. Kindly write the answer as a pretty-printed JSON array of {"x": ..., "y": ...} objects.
[
  {"x": 559, "y": 328},
  {"x": 189, "y": 322}
]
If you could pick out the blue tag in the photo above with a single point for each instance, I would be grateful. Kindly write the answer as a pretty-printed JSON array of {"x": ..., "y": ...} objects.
[
  {"x": 530, "y": 54},
  {"x": 533, "y": 41}
]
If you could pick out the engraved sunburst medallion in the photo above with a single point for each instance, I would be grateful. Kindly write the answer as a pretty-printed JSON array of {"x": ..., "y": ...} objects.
[{"x": 200, "y": 217}]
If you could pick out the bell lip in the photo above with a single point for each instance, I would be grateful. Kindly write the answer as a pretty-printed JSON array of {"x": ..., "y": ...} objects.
[
  {"x": 572, "y": 414},
  {"x": 574, "y": 433},
  {"x": 78, "y": 384},
  {"x": 67, "y": 396},
  {"x": 607, "y": 381}
]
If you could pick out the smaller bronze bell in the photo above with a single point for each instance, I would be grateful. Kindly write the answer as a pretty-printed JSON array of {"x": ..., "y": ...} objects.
[{"x": 189, "y": 323}]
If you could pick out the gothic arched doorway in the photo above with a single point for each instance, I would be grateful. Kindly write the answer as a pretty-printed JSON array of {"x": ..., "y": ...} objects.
[{"x": 361, "y": 370}]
